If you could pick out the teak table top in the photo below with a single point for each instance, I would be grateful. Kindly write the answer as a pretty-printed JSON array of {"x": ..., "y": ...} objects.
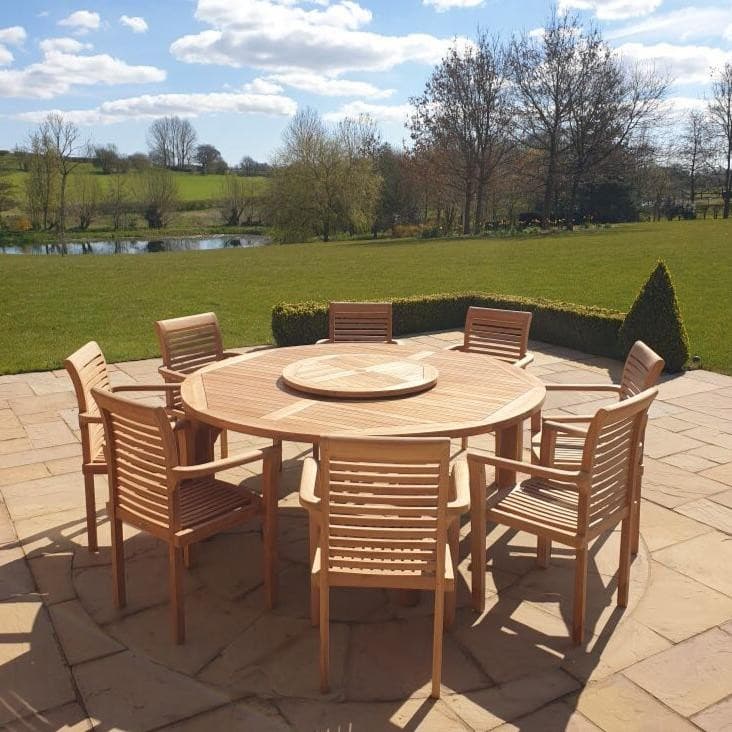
[{"x": 474, "y": 394}]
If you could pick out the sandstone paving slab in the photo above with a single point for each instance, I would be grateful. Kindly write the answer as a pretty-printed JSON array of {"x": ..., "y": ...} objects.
[
  {"x": 556, "y": 716},
  {"x": 63, "y": 465},
  {"x": 420, "y": 715},
  {"x": 28, "y": 456},
  {"x": 661, "y": 527},
  {"x": 14, "y": 389},
  {"x": 681, "y": 386},
  {"x": 724, "y": 498},
  {"x": 709, "y": 512},
  {"x": 53, "y": 494},
  {"x": 677, "y": 607},
  {"x": 717, "y": 718},
  {"x": 211, "y": 625},
  {"x": 713, "y": 452},
  {"x": 68, "y": 718},
  {"x": 722, "y": 473},
  {"x": 672, "y": 424},
  {"x": 49, "y": 434},
  {"x": 253, "y": 714},
  {"x": 705, "y": 419},
  {"x": 47, "y": 402},
  {"x": 15, "y": 578},
  {"x": 52, "y": 575},
  {"x": 688, "y": 461},
  {"x": 670, "y": 486},
  {"x": 660, "y": 442},
  {"x": 33, "y": 676},
  {"x": 130, "y": 692},
  {"x": 390, "y": 661},
  {"x": 614, "y": 649},
  {"x": 618, "y": 704},
  {"x": 489, "y": 708},
  {"x": 39, "y": 418},
  {"x": 720, "y": 379},
  {"x": 23, "y": 473},
  {"x": 706, "y": 559},
  {"x": 19, "y": 443},
  {"x": 712, "y": 436},
  {"x": 690, "y": 676},
  {"x": 51, "y": 533},
  {"x": 80, "y": 637}
]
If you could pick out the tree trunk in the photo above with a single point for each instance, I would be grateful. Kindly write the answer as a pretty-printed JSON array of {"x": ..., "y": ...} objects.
[
  {"x": 479, "y": 205},
  {"x": 727, "y": 179},
  {"x": 467, "y": 205},
  {"x": 549, "y": 185},
  {"x": 572, "y": 202},
  {"x": 61, "y": 227}
]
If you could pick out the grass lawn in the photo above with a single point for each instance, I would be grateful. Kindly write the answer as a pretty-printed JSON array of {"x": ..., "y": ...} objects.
[{"x": 51, "y": 305}]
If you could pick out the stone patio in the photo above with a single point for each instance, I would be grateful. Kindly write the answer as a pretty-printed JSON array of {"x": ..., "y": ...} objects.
[{"x": 69, "y": 660}]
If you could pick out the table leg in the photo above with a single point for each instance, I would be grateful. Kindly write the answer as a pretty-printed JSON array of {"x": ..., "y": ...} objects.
[
  {"x": 200, "y": 447},
  {"x": 509, "y": 444}
]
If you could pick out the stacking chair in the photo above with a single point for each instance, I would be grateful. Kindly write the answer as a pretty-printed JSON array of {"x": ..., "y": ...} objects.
[
  {"x": 151, "y": 490},
  {"x": 88, "y": 369},
  {"x": 359, "y": 322},
  {"x": 552, "y": 444},
  {"x": 381, "y": 516},
  {"x": 503, "y": 334},
  {"x": 571, "y": 507},
  {"x": 186, "y": 345}
]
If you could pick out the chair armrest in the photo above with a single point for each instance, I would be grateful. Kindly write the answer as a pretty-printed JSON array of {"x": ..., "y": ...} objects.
[
  {"x": 461, "y": 481},
  {"x": 323, "y": 340},
  {"x": 230, "y": 354},
  {"x": 615, "y": 388},
  {"x": 565, "y": 429},
  {"x": 144, "y": 387},
  {"x": 170, "y": 375},
  {"x": 538, "y": 471},
  {"x": 86, "y": 418},
  {"x": 522, "y": 363},
  {"x": 308, "y": 481},
  {"x": 186, "y": 472},
  {"x": 568, "y": 418},
  {"x": 456, "y": 347}
]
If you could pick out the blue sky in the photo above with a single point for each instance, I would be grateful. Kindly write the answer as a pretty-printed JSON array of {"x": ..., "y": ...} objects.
[{"x": 241, "y": 68}]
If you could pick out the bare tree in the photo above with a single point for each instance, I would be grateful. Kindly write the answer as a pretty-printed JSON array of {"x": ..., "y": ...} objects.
[
  {"x": 694, "y": 150},
  {"x": 720, "y": 117},
  {"x": 238, "y": 197},
  {"x": 465, "y": 110},
  {"x": 85, "y": 195},
  {"x": 42, "y": 183},
  {"x": 208, "y": 157},
  {"x": 117, "y": 199},
  {"x": 172, "y": 142},
  {"x": 7, "y": 193},
  {"x": 159, "y": 197}
]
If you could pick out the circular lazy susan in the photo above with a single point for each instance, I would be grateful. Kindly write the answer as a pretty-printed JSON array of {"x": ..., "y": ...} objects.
[{"x": 359, "y": 376}]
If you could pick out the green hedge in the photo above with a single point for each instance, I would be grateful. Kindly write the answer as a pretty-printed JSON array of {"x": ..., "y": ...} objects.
[{"x": 588, "y": 329}]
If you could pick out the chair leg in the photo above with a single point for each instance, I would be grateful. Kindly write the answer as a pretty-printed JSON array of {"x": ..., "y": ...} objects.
[
  {"x": 635, "y": 508},
  {"x": 437, "y": 643},
  {"x": 324, "y": 636},
  {"x": 477, "y": 536},
  {"x": 626, "y": 539},
  {"x": 269, "y": 527},
  {"x": 175, "y": 578},
  {"x": 91, "y": 512},
  {"x": 464, "y": 443},
  {"x": 543, "y": 551},
  {"x": 580, "y": 596},
  {"x": 119, "y": 591},
  {"x": 453, "y": 538},
  {"x": 313, "y": 539},
  {"x": 188, "y": 555},
  {"x": 224, "y": 443},
  {"x": 316, "y": 451}
]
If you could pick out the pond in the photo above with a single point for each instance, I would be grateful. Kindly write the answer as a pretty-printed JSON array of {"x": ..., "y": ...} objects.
[{"x": 140, "y": 246}]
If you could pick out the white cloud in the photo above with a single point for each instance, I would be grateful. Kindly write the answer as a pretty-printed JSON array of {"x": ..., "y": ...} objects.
[
  {"x": 12, "y": 36},
  {"x": 612, "y": 9},
  {"x": 262, "y": 86},
  {"x": 64, "y": 67},
  {"x": 281, "y": 36},
  {"x": 683, "y": 24},
  {"x": 328, "y": 87},
  {"x": 82, "y": 21},
  {"x": 150, "y": 106},
  {"x": 135, "y": 23},
  {"x": 686, "y": 64},
  {"x": 384, "y": 113},
  {"x": 442, "y": 5}
]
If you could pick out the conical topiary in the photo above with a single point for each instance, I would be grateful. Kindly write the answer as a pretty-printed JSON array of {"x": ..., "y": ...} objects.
[{"x": 655, "y": 319}]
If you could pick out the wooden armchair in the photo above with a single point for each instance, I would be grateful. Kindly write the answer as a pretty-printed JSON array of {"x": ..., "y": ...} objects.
[
  {"x": 186, "y": 345},
  {"x": 151, "y": 490},
  {"x": 88, "y": 370},
  {"x": 558, "y": 440},
  {"x": 359, "y": 322},
  {"x": 381, "y": 516},
  {"x": 571, "y": 507}
]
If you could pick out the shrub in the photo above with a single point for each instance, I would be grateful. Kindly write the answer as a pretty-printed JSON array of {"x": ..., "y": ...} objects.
[
  {"x": 655, "y": 319},
  {"x": 18, "y": 223},
  {"x": 588, "y": 329}
]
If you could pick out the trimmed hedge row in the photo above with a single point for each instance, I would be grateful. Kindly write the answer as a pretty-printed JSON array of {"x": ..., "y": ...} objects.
[{"x": 588, "y": 329}]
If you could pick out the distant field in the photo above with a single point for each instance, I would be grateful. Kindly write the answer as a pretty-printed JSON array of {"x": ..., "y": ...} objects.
[{"x": 51, "y": 305}]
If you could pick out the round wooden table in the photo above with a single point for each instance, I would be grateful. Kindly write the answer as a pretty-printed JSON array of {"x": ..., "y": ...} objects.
[{"x": 473, "y": 394}]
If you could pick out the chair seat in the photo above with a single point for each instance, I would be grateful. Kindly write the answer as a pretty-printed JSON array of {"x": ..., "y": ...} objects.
[
  {"x": 567, "y": 451},
  {"x": 204, "y": 500}
]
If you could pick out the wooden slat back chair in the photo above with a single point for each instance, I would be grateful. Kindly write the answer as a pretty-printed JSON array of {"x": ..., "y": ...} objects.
[
  {"x": 572, "y": 507},
  {"x": 151, "y": 490},
  {"x": 553, "y": 445},
  {"x": 360, "y": 322},
  {"x": 186, "y": 345},
  {"x": 380, "y": 516},
  {"x": 87, "y": 368}
]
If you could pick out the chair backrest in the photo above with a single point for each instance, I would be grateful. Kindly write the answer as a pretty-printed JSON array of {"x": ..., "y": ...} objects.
[
  {"x": 384, "y": 510},
  {"x": 365, "y": 322},
  {"x": 190, "y": 342},
  {"x": 88, "y": 370},
  {"x": 141, "y": 449},
  {"x": 503, "y": 334},
  {"x": 641, "y": 371},
  {"x": 611, "y": 457}
]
